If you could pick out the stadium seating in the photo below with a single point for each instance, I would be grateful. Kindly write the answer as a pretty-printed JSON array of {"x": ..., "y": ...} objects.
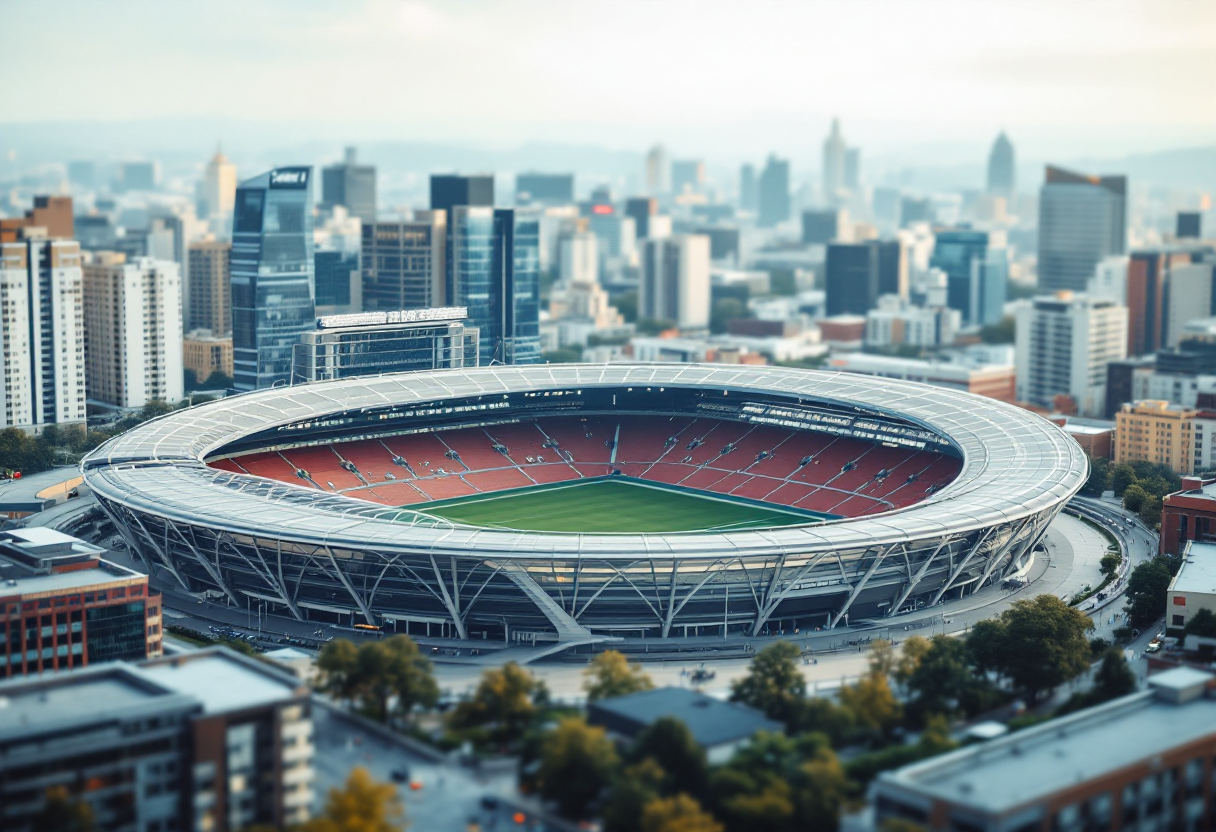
[{"x": 841, "y": 476}]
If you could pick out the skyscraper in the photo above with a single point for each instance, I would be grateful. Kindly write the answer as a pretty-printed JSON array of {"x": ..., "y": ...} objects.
[
  {"x": 1063, "y": 346},
  {"x": 208, "y": 292},
  {"x": 1082, "y": 219},
  {"x": 658, "y": 172},
  {"x": 493, "y": 269},
  {"x": 42, "y": 320},
  {"x": 833, "y": 162},
  {"x": 823, "y": 226},
  {"x": 544, "y": 189},
  {"x": 976, "y": 274},
  {"x": 1002, "y": 169},
  {"x": 450, "y": 190},
  {"x": 133, "y": 322},
  {"x": 774, "y": 193},
  {"x": 351, "y": 185},
  {"x": 272, "y": 275},
  {"x": 749, "y": 189},
  {"x": 852, "y": 168},
  {"x": 641, "y": 209},
  {"x": 403, "y": 263},
  {"x": 687, "y": 176},
  {"x": 675, "y": 281},
  {"x": 219, "y": 191},
  {"x": 1188, "y": 225}
]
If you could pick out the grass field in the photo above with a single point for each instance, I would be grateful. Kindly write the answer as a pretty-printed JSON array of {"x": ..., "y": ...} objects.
[{"x": 609, "y": 506}]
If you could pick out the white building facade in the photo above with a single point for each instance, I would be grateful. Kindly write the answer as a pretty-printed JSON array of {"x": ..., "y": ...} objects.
[
  {"x": 133, "y": 319},
  {"x": 675, "y": 281}
]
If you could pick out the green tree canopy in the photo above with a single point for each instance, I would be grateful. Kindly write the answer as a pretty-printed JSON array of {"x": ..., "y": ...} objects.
[
  {"x": 944, "y": 681},
  {"x": 1122, "y": 476},
  {"x": 637, "y": 786},
  {"x": 504, "y": 703},
  {"x": 1114, "y": 678},
  {"x": 376, "y": 672},
  {"x": 677, "y": 814},
  {"x": 1038, "y": 644},
  {"x": 363, "y": 804},
  {"x": 1146, "y": 589},
  {"x": 577, "y": 764},
  {"x": 774, "y": 684},
  {"x": 1109, "y": 564},
  {"x": 610, "y": 674},
  {"x": 1134, "y": 497},
  {"x": 1202, "y": 623},
  {"x": 669, "y": 743},
  {"x": 872, "y": 703}
]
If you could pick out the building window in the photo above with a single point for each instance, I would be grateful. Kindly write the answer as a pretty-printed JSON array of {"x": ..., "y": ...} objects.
[{"x": 1178, "y": 621}]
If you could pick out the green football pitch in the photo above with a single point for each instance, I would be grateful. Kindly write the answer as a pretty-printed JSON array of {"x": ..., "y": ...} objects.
[{"x": 617, "y": 506}]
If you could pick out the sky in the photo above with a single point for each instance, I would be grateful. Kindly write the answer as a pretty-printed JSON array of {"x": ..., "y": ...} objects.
[{"x": 709, "y": 77}]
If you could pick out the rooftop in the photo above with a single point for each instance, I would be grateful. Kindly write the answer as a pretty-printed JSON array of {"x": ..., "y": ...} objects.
[
  {"x": 1198, "y": 571},
  {"x": 1028, "y": 766},
  {"x": 223, "y": 680},
  {"x": 711, "y": 721},
  {"x": 19, "y": 581}
]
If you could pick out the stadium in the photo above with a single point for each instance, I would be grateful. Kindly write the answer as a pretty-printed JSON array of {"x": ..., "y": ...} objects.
[{"x": 574, "y": 503}]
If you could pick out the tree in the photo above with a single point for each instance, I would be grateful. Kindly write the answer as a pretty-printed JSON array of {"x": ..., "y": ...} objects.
[
  {"x": 984, "y": 644},
  {"x": 1146, "y": 590},
  {"x": 610, "y": 674},
  {"x": 773, "y": 684},
  {"x": 1099, "y": 477},
  {"x": 577, "y": 763},
  {"x": 910, "y": 657},
  {"x": 882, "y": 658},
  {"x": 1134, "y": 498},
  {"x": 363, "y": 804},
  {"x": 375, "y": 673},
  {"x": 677, "y": 814},
  {"x": 1114, "y": 678},
  {"x": 999, "y": 333},
  {"x": 1121, "y": 476},
  {"x": 1038, "y": 644},
  {"x": 872, "y": 703},
  {"x": 62, "y": 813},
  {"x": 781, "y": 784},
  {"x": 1202, "y": 623},
  {"x": 1150, "y": 512},
  {"x": 1109, "y": 564},
  {"x": 637, "y": 786},
  {"x": 504, "y": 702},
  {"x": 627, "y": 305},
  {"x": 669, "y": 743},
  {"x": 943, "y": 681}
]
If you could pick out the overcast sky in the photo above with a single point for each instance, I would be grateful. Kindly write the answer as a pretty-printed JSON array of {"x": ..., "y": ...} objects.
[{"x": 706, "y": 77}]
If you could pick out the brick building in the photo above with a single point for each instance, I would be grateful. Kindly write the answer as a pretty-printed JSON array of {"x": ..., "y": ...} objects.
[
  {"x": 62, "y": 606},
  {"x": 1188, "y": 514}
]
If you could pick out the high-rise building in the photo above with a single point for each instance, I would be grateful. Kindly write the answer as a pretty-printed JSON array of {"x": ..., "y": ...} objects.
[
  {"x": 133, "y": 323},
  {"x": 205, "y": 354},
  {"x": 1156, "y": 431},
  {"x": 1082, "y": 219},
  {"x": 1189, "y": 225},
  {"x": 896, "y": 321},
  {"x": 578, "y": 257},
  {"x": 976, "y": 274},
  {"x": 1192, "y": 296},
  {"x": 351, "y": 185},
  {"x": 1063, "y": 344},
  {"x": 852, "y": 169},
  {"x": 824, "y": 226},
  {"x": 749, "y": 188},
  {"x": 338, "y": 280},
  {"x": 1148, "y": 278},
  {"x": 544, "y": 189},
  {"x": 675, "y": 281},
  {"x": 91, "y": 610},
  {"x": 451, "y": 190},
  {"x": 856, "y": 274},
  {"x": 207, "y": 297},
  {"x": 52, "y": 213},
  {"x": 1002, "y": 168},
  {"x": 42, "y": 321},
  {"x": 219, "y": 192},
  {"x": 493, "y": 269},
  {"x": 774, "y": 192},
  {"x": 403, "y": 263},
  {"x": 370, "y": 343},
  {"x": 207, "y": 740},
  {"x": 834, "y": 151},
  {"x": 687, "y": 176},
  {"x": 1110, "y": 279},
  {"x": 272, "y": 275},
  {"x": 642, "y": 209},
  {"x": 658, "y": 171},
  {"x": 137, "y": 176}
]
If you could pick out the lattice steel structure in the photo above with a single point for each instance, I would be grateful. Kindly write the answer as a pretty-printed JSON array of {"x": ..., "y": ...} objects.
[{"x": 316, "y": 555}]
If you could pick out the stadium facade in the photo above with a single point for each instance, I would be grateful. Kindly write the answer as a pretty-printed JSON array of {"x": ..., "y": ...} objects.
[{"x": 322, "y": 555}]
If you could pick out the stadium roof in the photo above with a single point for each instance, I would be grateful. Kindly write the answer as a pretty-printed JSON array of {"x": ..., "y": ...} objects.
[{"x": 1015, "y": 464}]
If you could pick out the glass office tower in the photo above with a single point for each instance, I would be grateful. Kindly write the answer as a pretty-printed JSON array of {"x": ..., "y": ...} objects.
[
  {"x": 493, "y": 268},
  {"x": 273, "y": 289},
  {"x": 975, "y": 274}
]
